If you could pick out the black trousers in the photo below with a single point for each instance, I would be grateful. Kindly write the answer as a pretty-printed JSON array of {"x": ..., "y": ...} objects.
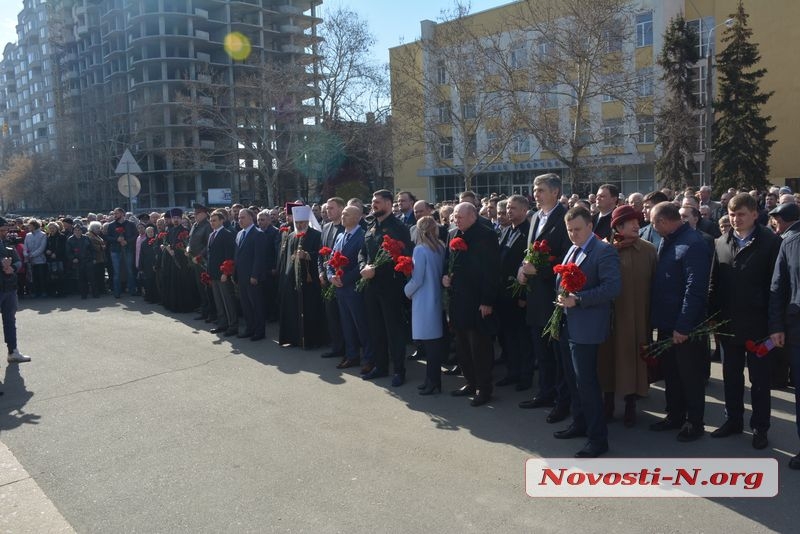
[
  {"x": 387, "y": 329},
  {"x": 734, "y": 360},
  {"x": 207, "y": 307},
  {"x": 516, "y": 341},
  {"x": 475, "y": 353},
  {"x": 434, "y": 354},
  {"x": 684, "y": 367},
  {"x": 334, "y": 327}
]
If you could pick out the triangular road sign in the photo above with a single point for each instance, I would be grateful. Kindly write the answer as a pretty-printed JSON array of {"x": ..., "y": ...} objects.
[{"x": 127, "y": 164}]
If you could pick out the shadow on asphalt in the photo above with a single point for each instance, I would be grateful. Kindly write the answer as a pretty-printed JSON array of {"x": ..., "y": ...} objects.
[{"x": 500, "y": 421}]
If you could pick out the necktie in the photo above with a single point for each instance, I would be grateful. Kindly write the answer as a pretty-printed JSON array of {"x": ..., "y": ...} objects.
[
  {"x": 211, "y": 237},
  {"x": 242, "y": 235},
  {"x": 574, "y": 255}
]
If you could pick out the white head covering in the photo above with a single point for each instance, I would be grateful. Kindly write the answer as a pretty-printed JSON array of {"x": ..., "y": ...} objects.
[{"x": 303, "y": 213}]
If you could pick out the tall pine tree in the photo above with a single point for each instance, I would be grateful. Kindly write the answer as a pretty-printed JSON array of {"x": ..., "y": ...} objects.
[
  {"x": 676, "y": 121},
  {"x": 740, "y": 147}
]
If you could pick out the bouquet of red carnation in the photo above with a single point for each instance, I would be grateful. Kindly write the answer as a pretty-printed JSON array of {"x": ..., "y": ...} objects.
[
  {"x": 183, "y": 236},
  {"x": 325, "y": 251},
  {"x": 227, "y": 267},
  {"x": 163, "y": 236},
  {"x": 205, "y": 278},
  {"x": 198, "y": 260},
  {"x": 120, "y": 231},
  {"x": 337, "y": 263},
  {"x": 151, "y": 241},
  {"x": 759, "y": 348},
  {"x": 539, "y": 255},
  {"x": 404, "y": 265},
  {"x": 390, "y": 250},
  {"x": 651, "y": 352},
  {"x": 457, "y": 246},
  {"x": 572, "y": 281}
]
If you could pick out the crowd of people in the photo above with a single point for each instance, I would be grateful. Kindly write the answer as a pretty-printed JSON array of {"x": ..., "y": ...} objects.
[{"x": 595, "y": 298}]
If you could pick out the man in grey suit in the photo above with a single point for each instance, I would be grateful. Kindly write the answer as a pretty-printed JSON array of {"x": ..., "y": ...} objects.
[{"x": 587, "y": 325}]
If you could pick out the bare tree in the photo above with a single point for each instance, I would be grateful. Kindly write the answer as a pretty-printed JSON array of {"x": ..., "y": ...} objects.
[
  {"x": 447, "y": 107},
  {"x": 559, "y": 62}
]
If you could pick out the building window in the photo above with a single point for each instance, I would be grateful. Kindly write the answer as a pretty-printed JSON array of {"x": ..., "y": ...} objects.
[
  {"x": 699, "y": 85},
  {"x": 492, "y": 143},
  {"x": 644, "y": 81},
  {"x": 700, "y": 28},
  {"x": 543, "y": 47},
  {"x": 519, "y": 56},
  {"x": 472, "y": 145},
  {"x": 522, "y": 143},
  {"x": 549, "y": 96},
  {"x": 445, "y": 148},
  {"x": 468, "y": 110},
  {"x": 444, "y": 112},
  {"x": 612, "y": 132},
  {"x": 644, "y": 29},
  {"x": 441, "y": 72},
  {"x": 646, "y": 129}
]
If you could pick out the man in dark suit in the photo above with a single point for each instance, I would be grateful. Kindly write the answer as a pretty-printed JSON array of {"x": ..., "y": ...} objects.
[
  {"x": 384, "y": 295},
  {"x": 547, "y": 225},
  {"x": 510, "y": 313},
  {"x": 784, "y": 304},
  {"x": 198, "y": 240},
  {"x": 222, "y": 246},
  {"x": 352, "y": 311},
  {"x": 251, "y": 271},
  {"x": 272, "y": 246},
  {"x": 330, "y": 231},
  {"x": 406, "y": 201},
  {"x": 473, "y": 289},
  {"x": 587, "y": 325},
  {"x": 607, "y": 199},
  {"x": 678, "y": 305},
  {"x": 743, "y": 266}
]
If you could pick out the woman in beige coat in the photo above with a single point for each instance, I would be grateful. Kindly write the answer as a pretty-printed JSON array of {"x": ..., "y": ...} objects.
[{"x": 621, "y": 370}]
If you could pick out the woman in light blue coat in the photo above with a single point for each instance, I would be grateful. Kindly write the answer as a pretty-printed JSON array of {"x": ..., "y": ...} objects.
[{"x": 425, "y": 291}]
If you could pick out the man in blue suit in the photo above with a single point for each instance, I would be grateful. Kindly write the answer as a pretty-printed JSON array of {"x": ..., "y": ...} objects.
[
  {"x": 251, "y": 271},
  {"x": 587, "y": 325},
  {"x": 352, "y": 311},
  {"x": 222, "y": 246}
]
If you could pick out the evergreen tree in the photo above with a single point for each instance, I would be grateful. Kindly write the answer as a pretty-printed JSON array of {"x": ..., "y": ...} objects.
[
  {"x": 740, "y": 147},
  {"x": 676, "y": 121}
]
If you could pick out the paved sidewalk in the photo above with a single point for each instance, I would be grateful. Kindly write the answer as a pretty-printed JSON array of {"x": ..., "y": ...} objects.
[{"x": 23, "y": 505}]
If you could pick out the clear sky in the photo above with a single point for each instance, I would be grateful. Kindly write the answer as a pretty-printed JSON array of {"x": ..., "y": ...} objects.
[{"x": 392, "y": 21}]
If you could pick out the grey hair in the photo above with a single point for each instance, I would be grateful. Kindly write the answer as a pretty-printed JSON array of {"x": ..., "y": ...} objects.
[
  {"x": 551, "y": 180},
  {"x": 96, "y": 227}
]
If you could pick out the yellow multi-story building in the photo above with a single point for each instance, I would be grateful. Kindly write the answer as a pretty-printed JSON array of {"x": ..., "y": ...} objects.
[{"x": 488, "y": 101}]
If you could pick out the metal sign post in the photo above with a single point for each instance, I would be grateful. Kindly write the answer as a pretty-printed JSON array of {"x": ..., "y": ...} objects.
[{"x": 126, "y": 165}]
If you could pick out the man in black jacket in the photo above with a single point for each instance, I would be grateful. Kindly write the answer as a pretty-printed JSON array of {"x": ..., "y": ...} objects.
[
  {"x": 473, "y": 288},
  {"x": 383, "y": 296},
  {"x": 10, "y": 264},
  {"x": 222, "y": 246},
  {"x": 196, "y": 251},
  {"x": 743, "y": 265}
]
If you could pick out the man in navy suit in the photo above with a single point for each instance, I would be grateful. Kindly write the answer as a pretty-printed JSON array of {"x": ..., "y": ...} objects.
[
  {"x": 272, "y": 246},
  {"x": 251, "y": 271},
  {"x": 352, "y": 311},
  {"x": 222, "y": 246},
  {"x": 330, "y": 232},
  {"x": 587, "y": 325}
]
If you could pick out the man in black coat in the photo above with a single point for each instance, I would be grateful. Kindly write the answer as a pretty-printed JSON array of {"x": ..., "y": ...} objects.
[
  {"x": 473, "y": 287},
  {"x": 743, "y": 266},
  {"x": 547, "y": 225},
  {"x": 383, "y": 296},
  {"x": 272, "y": 245},
  {"x": 784, "y": 311},
  {"x": 196, "y": 251},
  {"x": 251, "y": 271},
  {"x": 607, "y": 199},
  {"x": 330, "y": 231},
  {"x": 221, "y": 247},
  {"x": 510, "y": 311}
]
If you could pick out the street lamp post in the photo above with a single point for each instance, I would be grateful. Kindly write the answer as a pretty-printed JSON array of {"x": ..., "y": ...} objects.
[{"x": 709, "y": 103}]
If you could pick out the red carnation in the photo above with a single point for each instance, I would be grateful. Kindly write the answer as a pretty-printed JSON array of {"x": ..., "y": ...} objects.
[
  {"x": 151, "y": 240},
  {"x": 457, "y": 244},
  {"x": 227, "y": 267},
  {"x": 284, "y": 228},
  {"x": 393, "y": 246},
  {"x": 572, "y": 281},
  {"x": 183, "y": 235},
  {"x": 120, "y": 230},
  {"x": 761, "y": 351},
  {"x": 339, "y": 273},
  {"x": 325, "y": 251},
  {"x": 300, "y": 235},
  {"x": 205, "y": 278},
  {"x": 404, "y": 265},
  {"x": 162, "y": 236},
  {"x": 750, "y": 346}
]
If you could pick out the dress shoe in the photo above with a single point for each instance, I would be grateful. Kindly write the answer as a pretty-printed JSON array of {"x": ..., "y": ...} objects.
[
  {"x": 375, "y": 373},
  {"x": 690, "y": 432},
  {"x": 666, "y": 424},
  {"x": 231, "y": 332},
  {"x": 507, "y": 381},
  {"x": 257, "y": 337},
  {"x": 465, "y": 391},
  {"x": 480, "y": 399},
  {"x": 244, "y": 335},
  {"x": 430, "y": 389},
  {"x": 398, "y": 379},
  {"x": 455, "y": 371},
  {"x": 367, "y": 368},
  {"x": 557, "y": 414},
  {"x": 218, "y": 330},
  {"x": 537, "y": 402},
  {"x": 523, "y": 385},
  {"x": 728, "y": 428},
  {"x": 347, "y": 363},
  {"x": 794, "y": 463},
  {"x": 569, "y": 433},
  {"x": 760, "y": 440},
  {"x": 592, "y": 450},
  {"x": 331, "y": 354}
]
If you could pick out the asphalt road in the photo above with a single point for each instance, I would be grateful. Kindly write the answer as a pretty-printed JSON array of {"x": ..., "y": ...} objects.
[{"x": 131, "y": 420}]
